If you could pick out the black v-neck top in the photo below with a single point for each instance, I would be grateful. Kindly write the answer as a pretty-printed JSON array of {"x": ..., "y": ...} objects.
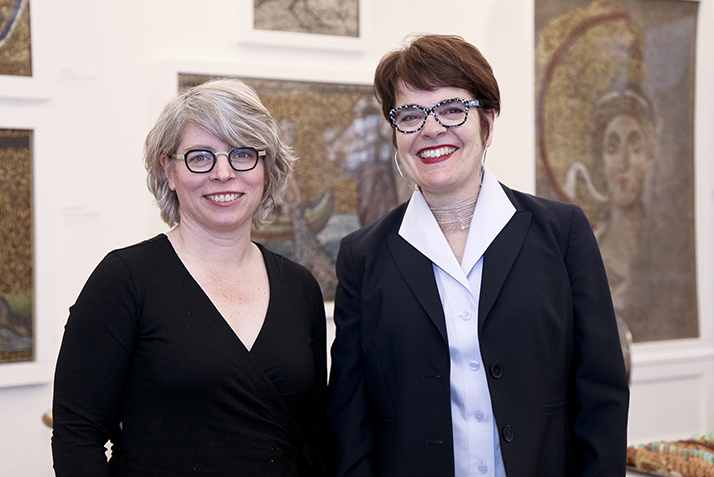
[{"x": 148, "y": 362}]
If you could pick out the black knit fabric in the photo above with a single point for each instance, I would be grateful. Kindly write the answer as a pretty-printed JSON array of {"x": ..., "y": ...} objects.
[{"x": 149, "y": 363}]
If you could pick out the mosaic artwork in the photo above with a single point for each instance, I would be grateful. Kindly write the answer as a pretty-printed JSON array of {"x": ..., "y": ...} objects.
[
  {"x": 16, "y": 324},
  {"x": 325, "y": 17},
  {"x": 614, "y": 134},
  {"x": 345, "y": 177},
  {"x": 15, "y": 57}
]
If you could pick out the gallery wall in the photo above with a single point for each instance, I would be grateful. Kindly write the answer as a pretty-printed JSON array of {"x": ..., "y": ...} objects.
[{"x": 103, "y": 70}]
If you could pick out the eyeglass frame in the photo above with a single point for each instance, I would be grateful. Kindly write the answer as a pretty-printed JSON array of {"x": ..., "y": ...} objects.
[
  {"x": 427, "y": 111},
  {"x": 215, "y": 155}
]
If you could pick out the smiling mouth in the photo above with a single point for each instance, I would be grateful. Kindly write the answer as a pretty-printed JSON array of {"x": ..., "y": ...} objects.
[
  {"x": 436, "y": 153},
  {"x": 223, "y": 197}
]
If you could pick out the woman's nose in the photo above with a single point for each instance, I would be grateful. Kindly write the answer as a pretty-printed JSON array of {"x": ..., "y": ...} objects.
[
  {"x": 222, "y": 171},
  {"x": 432, "y": 128}
]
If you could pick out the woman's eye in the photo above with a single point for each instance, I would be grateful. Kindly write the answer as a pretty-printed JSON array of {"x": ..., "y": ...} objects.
[
  {"x": 410, "y": 116},
  {"x": 199, "y": 158}
]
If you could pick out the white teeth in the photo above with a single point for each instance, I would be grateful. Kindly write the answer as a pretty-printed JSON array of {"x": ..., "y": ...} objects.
[
  {"x": 434, "y": 153},
  {"x": 223, "y": 197}
]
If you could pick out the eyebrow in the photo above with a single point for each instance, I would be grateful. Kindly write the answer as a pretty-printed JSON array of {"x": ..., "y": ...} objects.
[{"x": 207, "y": 147}]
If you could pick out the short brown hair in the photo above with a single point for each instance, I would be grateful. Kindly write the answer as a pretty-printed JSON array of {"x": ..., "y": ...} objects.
[{"x": 429, "y": 62}]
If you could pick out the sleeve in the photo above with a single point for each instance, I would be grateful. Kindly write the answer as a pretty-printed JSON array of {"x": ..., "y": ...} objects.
[
  {"x": 601, "y": 388},
  {"x": 92, "y": 366},
  {"x": 348, "y": 409},
  {"x": 313, "y": 419}
]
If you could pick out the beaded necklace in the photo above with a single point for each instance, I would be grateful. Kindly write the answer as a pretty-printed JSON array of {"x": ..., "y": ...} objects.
[{"x": 457, "y": 216}]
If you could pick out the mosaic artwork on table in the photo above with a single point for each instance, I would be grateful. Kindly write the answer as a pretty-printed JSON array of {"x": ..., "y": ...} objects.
[
  {"x": 344, "y": 177},
  {"x": 614, "y": 134},
  {"x": 16, "y": 324},
  {"x": 15, "y": 57},
  {"x": 324, "y": 17}
]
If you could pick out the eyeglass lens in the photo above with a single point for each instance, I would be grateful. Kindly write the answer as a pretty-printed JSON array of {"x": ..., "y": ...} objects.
[
  {"x": 203, "y": 160},
  {"x": 450, "y": 113}
]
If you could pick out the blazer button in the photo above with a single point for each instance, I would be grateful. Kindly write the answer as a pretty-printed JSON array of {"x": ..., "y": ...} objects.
[
  {"x": 497, "y": 370},
  {"x": 508, "y": 433}
]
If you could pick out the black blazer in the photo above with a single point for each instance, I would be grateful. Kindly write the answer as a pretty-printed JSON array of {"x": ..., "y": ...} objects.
[{"x": 548, "y": 337}]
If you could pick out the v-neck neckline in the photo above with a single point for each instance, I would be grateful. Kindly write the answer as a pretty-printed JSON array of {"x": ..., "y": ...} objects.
[{"x": 212, "y": 306}]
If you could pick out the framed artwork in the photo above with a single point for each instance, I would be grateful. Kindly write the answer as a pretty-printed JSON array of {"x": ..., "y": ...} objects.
[
  {"x": 15, "y": 41},
  {"x": 344, "y": 175},
  {"x": 16, "y": 257},
  {"x": 323, "y": 17},
  {"x": 27, "y": 225},
  {"x": 614, "y": 134},
  {"x": 321, "y": 24}
]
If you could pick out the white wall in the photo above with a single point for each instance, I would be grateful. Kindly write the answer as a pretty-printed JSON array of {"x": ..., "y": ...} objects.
[{"x": 103, "y": 70}]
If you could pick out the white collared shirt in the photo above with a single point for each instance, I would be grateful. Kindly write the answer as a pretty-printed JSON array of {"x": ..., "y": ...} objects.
[{"x": 477, "y": 449}]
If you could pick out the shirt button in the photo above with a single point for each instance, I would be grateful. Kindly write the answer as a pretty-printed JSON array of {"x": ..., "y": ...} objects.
[
  {"x": 482, "y": 468},
  {"x": 480, "y": 416},
  {"x": 474, "y": 365},
  {"x": 466, "y": 316}
]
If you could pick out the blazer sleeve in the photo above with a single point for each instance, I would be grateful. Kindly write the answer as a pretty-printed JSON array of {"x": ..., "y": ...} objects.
[
  {"x": 348, "y": 410},
  {"x": 601, "y": 388},
  {"x": 93, "y": 362}
]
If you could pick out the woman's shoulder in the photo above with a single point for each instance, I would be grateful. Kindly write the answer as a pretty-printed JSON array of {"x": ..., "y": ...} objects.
[
  {"x": 541, "y": 207},
  {"x": 146, "y": 253},
  {"x": 284, "y": 266},
  {"x": 559, "y": 220},
  {"x": 378, "y": 231},
  {"x": 146, "y": 248},
  {"x": 129, "y": 266}
]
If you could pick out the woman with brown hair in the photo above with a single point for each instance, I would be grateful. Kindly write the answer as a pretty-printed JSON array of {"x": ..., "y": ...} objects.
[{"x": 475, "y": 330}]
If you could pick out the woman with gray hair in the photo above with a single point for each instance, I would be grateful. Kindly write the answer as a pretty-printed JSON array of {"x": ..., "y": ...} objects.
[{"x": 198, "y": 352}]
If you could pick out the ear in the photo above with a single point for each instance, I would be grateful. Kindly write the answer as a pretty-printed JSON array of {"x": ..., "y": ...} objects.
[{"x": 167, "y": 166}]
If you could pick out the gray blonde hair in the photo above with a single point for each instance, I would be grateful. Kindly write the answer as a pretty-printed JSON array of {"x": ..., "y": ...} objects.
[{"x": 231, "y": 111}]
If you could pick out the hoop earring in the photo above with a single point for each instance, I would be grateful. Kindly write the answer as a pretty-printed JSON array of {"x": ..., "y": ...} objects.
[
  {"x": 396, "y": 162},
  {"x": 483, "y": 162}
]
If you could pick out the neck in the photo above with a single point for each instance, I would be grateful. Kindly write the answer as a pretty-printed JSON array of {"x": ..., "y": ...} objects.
[
  {"x": 455, "y": 216},
  {"x": 208, "y": 247}
]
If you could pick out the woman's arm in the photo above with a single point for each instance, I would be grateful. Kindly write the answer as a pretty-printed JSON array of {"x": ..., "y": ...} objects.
[
  {"x": 313, "y": 420},
  {"x": 348, "y": 410},
  {"x": 601, "y": 388},
  {"x": 93, "y": 362}
]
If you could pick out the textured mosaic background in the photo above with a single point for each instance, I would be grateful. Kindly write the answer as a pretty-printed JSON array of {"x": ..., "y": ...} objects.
[
  {"x": 15, "y": 56},
  {"x": 641, "y": 51},
  {"x": 15, "y": 245}
]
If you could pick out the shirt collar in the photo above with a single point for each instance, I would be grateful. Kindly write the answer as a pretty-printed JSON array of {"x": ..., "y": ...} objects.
[{"x": 492, "y": 213}]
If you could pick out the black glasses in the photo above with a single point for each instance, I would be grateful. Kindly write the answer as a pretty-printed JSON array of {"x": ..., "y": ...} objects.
[
  {"x": 450, "y": 113},
  {"x": 201, "y": 161}
]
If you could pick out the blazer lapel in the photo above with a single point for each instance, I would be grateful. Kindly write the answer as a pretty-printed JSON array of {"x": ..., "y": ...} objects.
[
  {"x": 418, "y": 273},
  {"x": 498, "y": 260}
]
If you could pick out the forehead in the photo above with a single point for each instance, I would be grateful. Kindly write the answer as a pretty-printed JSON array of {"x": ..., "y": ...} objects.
[
  {"x": 622, "y": 124},
  {"x": 196, "y": 136},
  {"x": 426, "y": 99}
]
